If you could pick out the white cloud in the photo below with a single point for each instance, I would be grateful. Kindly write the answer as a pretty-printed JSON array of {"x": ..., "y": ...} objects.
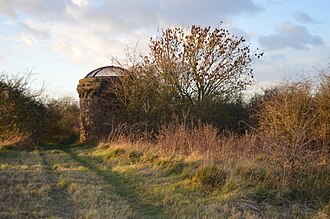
[
  {"x": 304, "y": 17},
  {"x": 73, "y": 52},
  {"x": 182, "y": 8},
  {"x": 81, "y": 3},
  {"x": 85, "y": 30},
  {"x": 46, "y": 8},
  {"x": 270, "y": 69},
  {"x": 131, "y": 15},
  {"x": 2, "y": 59},
  {"x": 7, "y": 8},
  {"x": 290, "y": 35},
  {"x": 236, "y": 31},
  {"x": 27, "y": 40}
]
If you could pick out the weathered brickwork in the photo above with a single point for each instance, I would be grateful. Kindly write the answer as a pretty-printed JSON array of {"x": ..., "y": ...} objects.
[{"x": 97, "y": 104}]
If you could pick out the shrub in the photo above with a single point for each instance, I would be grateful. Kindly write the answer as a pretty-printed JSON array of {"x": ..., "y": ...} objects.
[
  {"x": 25, "y": 116},
  {"x": 22, "y": 112},
  {"x": 63, "y": 118},
  {"x": 229, "y": 116},
  {"x": 142, "y": 97},
  {"x": 322, "y": 100},
  {"x": 288, "y": 115},
  {"x": 294, "y": 128}
]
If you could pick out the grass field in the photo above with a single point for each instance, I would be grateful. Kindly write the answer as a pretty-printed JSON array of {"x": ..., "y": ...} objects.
[{"x": 80, "y": 181}]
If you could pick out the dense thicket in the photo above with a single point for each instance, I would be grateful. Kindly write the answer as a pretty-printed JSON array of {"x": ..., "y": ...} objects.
[
  {"x": 196, "y": 74},
  {"x": 22, "y": 113},
  {"x": 25, "y": 116}
]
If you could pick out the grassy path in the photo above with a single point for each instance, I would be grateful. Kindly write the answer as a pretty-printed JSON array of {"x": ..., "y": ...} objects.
[
  {"x": 58, "y": 197},
  {"x": 63, "y": 182},
  {"x": 121, "y": 185},
  {"x": 78, "y": 181}
]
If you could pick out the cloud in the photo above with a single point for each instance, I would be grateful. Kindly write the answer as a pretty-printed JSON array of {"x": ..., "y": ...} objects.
[
  {"x": 290, "y": 35},
  {"x": 131, "y": 14},
  {"x": 201, "y": 11},
  {"x": 2, "y": 59},
  {"x": 46, "y": 8},
  {"x": 74, "y": 52},
  {"x": 31, "y": 36},
  {"x": 303, "y": 17},
  {"x": 236, "y": 31},
  {"x": 84, "y": 30},
  {"x": 81, "y": 3},
  {"x": 7, "y": 8}
]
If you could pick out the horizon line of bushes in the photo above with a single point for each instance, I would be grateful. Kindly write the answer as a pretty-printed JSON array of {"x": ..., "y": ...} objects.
[{"x": 287, "y": 110}]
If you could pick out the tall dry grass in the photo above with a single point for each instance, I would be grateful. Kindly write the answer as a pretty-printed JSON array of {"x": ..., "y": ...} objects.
[
  {"x": 286, "y": 156},
  {"x": 183, "y": 139}
]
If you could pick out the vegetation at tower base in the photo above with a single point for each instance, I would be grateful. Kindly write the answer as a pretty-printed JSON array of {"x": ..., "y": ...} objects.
[{"x": 199, "y": 73}]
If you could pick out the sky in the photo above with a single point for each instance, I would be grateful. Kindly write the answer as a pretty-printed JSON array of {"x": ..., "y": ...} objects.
[{"x": 60, "y": 41}]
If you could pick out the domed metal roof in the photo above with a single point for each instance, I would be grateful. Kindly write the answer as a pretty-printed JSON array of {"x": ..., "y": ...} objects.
[{"x": 106, "y": 71}]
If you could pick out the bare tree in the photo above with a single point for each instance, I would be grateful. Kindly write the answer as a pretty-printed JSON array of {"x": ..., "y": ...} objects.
[
  {"x": 201, "y": 63},
  {"x": 197, "y": 72}
]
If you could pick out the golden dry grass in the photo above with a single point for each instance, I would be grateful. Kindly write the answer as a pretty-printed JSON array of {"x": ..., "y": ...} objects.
[
  {"x": 188, "y": 186},
  {"x": 240, "y": 171},
  {"x": 127, "y": 180},
  {"x": 50, "y": 184}
]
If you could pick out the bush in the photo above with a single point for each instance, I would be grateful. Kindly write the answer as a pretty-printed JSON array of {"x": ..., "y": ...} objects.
[
  {"x": 24, "y": 116},
  {"x": 294, "y": 126},
  {"x": 288, "y": 114},
  {"x": 22, "y": 113},
  {"x": 322, "y": 100},
  {"x": 142, "y": 97},
  {"x": 230, "y": 116},
  {"x": 63, "y": 122}
]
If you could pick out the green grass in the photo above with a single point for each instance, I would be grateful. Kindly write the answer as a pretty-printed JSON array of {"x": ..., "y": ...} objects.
[
  {"x": 237, "y": 188},
  {"x": 80, "y": 181},
  {"x": 49, "y": 183}
]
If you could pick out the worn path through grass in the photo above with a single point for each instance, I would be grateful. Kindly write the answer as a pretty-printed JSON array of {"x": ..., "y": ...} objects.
[
  {"x": 117, "y": 181},
  {"x": 122, "y": 185},
  {"x": 66, "y": 182}
]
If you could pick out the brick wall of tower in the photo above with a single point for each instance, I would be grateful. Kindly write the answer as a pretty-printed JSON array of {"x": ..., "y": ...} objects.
[{"x": 97, "y": 107}]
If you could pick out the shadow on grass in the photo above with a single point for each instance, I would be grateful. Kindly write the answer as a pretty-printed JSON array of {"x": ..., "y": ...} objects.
[
  {"x": 59, "y": 201},
  {"x": 121, "y": 184},
  {"x": 29, "y": 186}
]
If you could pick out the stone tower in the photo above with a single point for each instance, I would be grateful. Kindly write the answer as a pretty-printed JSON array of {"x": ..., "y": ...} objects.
[{"x": 97, "y": 102}]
